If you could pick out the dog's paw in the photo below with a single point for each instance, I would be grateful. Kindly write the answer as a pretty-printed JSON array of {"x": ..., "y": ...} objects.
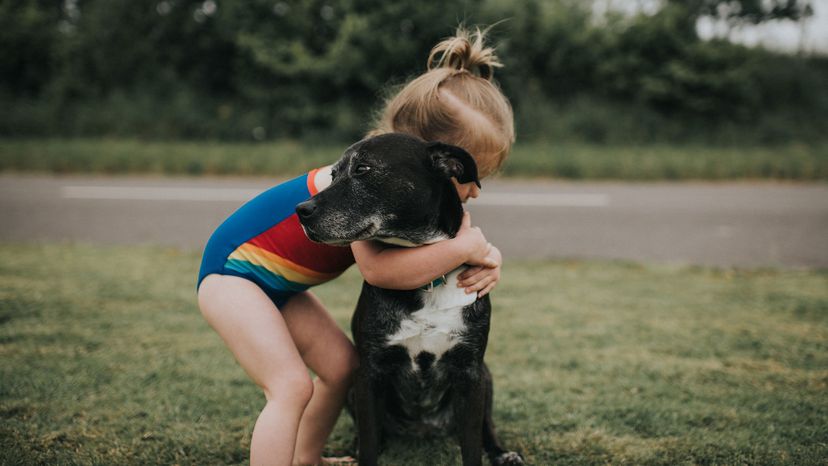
[{"x": 509, "y": 458}]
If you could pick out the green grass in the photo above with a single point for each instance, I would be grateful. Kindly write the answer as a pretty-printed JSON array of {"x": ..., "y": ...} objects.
[
  {"x": 562, "y": 160},
  {"x": 106, "y": 360}
]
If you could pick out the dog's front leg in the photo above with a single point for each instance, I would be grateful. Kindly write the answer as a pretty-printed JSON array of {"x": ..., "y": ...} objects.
[
  {"x": 469, "y": 417},
  {"x": 369, "y": 406},
  {"x": 498, "y": 456}
]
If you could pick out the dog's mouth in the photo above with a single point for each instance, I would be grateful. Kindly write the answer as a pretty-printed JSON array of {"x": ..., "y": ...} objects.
[
  {"x": 369, "y": 231},
  {"x": 310, "y": 234},
  {"x": 341, "y": 240}
]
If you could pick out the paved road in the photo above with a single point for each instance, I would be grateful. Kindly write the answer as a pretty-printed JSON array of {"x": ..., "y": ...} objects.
[{"x": 742, "y": 224}]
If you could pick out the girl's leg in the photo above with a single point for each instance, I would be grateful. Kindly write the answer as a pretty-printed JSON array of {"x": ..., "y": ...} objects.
[
  {"x": 331, "y": 355},
  {"x": 256, "y": 333}
]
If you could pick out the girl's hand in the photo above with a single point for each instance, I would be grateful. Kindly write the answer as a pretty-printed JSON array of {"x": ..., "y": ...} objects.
[
  {"x": 481, "y": 279},
  {"x": 409, "y": 268},
  {"x": 478, "y": 250}
]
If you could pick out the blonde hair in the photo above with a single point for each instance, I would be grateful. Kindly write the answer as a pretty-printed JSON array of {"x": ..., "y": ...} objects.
[{"x": 456, "y": 101}]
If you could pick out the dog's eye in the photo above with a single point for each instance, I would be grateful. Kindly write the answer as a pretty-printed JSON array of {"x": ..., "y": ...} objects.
[{"x": 362, "y": 169}]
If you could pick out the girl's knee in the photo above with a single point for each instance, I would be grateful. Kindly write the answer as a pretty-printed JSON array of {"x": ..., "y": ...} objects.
[
  {"x": 342, "y": 366},
  {"x": 293, "y": 386}
]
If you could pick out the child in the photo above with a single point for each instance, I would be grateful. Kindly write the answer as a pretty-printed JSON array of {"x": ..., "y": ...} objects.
[{"x": 258, "y": 264}]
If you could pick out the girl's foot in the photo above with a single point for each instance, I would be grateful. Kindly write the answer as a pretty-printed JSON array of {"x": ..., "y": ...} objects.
[{"x": 339, "y": 461}]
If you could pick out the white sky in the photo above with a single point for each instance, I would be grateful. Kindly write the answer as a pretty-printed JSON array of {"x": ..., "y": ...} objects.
[{"x": 810, "y": 35}]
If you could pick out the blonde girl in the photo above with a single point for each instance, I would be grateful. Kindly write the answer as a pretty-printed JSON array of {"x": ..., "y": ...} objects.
[{"x": 258, "y": 265}]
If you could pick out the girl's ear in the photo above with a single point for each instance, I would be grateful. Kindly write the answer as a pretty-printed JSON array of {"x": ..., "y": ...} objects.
[{"x": 453, "y": 161}]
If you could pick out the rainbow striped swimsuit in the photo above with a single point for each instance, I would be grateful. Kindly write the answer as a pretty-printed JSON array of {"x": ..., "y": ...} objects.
[{"x": 263, "y": 242}]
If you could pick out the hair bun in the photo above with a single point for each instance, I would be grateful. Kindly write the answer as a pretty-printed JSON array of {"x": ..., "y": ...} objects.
[{"x": 465, "y": 51}]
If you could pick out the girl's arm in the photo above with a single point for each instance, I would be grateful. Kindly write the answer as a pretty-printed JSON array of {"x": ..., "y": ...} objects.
[{"x": 409, "y": 268}]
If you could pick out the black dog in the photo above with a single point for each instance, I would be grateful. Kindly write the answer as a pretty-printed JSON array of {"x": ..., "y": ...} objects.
[{"x": 421, "y": 351}]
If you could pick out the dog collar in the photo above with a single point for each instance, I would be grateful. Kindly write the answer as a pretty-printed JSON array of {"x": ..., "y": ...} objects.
[{"x": 439, "y": 281}]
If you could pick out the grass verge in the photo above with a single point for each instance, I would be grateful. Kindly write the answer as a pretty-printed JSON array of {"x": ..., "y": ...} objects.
[
  {"x": 106, "y": 360},
  {"x": 574, "y": 161}
]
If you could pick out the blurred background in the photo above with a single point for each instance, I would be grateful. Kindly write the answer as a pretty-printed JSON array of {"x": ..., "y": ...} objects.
[
  {"x": 639, "y": 320},
  {"x": 621, "y": 90},
  {"x": 721, "y": 72}
]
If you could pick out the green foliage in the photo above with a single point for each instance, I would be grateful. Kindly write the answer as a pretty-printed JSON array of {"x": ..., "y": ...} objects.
[
  {"x": 106, "y": 360},
  {"x": 749, "y": 11},
  {"x": 655, "y": 61},
  {"x": 312, "y": 68},
  {"x": 654, "y": 71},
  {"x": 316, "y": 65},
  {"x": 28, "y": 38},
  {"x": 528, "y": 159}
]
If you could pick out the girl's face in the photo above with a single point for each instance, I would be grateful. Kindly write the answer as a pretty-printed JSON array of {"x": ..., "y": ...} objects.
[{"x": 466, "y": 190}]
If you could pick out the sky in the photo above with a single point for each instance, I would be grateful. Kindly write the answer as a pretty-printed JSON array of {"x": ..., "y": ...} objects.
[{"x": 808, "y": 36}]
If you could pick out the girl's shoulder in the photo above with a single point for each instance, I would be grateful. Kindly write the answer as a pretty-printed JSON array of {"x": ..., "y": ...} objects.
[{"x": 321, "y": 178}]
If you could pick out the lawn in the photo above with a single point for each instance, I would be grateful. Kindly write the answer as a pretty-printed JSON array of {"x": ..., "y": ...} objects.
[
  {"x": 106, "y": 360},
  {"x": 533, "y": 159}
]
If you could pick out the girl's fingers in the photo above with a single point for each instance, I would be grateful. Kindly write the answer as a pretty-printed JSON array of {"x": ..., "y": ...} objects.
[
  {"x": 486, "y": 290},
  {"x": 478, "y": 275},
  {"x": 480, "y": 284},
  {"x": 468, "y": 273}
]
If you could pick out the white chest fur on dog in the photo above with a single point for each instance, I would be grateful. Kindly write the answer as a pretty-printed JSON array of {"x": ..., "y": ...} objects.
[{"x": 436, "y": 327}]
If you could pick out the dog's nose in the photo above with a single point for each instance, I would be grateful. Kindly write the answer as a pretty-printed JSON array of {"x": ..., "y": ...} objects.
[{"x": 305, "y": 209}]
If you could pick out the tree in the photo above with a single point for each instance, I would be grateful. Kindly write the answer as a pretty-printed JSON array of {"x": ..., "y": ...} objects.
[
  {"x": 747, "y": 11},
  {"x": 28, "y": 45},
  {"x": 315, "y": 64}
]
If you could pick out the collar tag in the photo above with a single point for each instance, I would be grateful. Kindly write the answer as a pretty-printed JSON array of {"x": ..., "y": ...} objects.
[{"x": 439, "y": 281}]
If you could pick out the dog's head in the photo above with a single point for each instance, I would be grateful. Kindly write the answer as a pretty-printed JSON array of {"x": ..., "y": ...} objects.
[{"x": 393, "y": 188}]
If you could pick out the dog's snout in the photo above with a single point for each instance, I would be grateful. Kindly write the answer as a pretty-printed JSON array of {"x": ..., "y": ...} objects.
[{"x": 305, "y": 209}]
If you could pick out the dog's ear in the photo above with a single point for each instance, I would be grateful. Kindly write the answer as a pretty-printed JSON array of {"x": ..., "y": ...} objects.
[{"x": 452, "y": 161}]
